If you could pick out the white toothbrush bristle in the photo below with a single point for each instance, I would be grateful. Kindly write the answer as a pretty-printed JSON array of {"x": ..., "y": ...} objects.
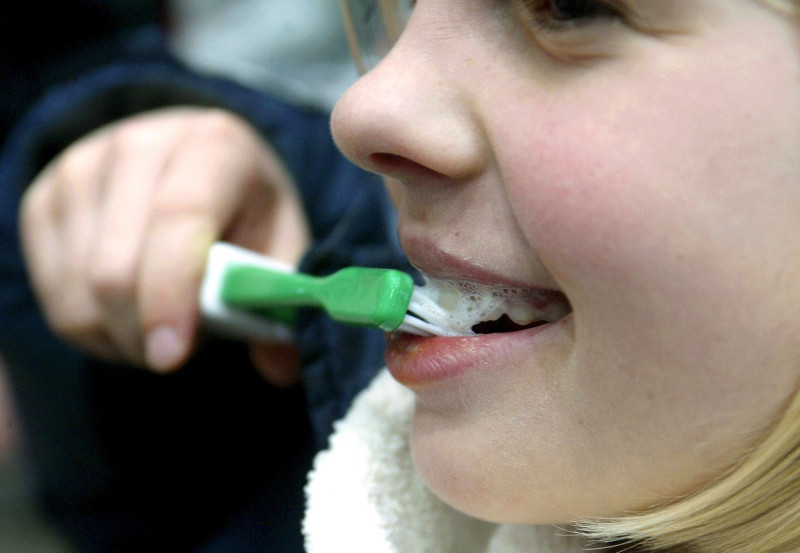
[
  {"x": 426, "y": 316},
  {"x": 415, "y": 325}
]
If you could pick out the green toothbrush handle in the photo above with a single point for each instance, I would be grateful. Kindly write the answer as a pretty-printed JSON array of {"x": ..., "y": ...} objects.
[{"x": 354, "y": 295}]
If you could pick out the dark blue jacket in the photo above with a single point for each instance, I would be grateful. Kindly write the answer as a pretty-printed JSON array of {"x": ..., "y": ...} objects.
[{"x": 211, "y": 458}]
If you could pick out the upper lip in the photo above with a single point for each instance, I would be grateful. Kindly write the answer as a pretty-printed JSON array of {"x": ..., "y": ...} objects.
[{"x": 438, "y": 263}]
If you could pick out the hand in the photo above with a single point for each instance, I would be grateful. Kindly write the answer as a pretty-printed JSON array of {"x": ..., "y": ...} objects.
[{"x": 116, "y": 229}]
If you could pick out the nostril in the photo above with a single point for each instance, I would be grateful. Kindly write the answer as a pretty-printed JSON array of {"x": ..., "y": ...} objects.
[
  {"x": 388, "y": 160},
  {"x": 396, "y": 165}
]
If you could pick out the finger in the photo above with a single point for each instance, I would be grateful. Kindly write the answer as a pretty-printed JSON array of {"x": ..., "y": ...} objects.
[
  {"x": 40, "y": 235},
  {"x": 57, "y": 227},
  {"x": 80, "y": 174},
  {"x": 52, "y": 252},
  {"x": 210, "y": 179},
  {"x": 139, "y": 152}
]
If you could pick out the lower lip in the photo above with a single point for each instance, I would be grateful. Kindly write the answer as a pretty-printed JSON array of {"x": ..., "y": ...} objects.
[{"x": 417, "y": 361}]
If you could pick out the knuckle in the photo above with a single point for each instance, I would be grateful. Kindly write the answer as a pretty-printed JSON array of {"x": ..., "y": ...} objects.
[
  {"x": 112, "y": 281},
  {"x": 221, "y": 126},
  {"x": 73, "y": 324},
  {"x": 136, "y": 135},
  {"x": 37, "y": 201},
  {"x": 78, "y": 163}
]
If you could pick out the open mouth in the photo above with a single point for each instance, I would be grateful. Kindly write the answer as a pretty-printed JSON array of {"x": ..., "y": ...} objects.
[
  {"x": 504, "y": 324},
  {"x": 464, "y": 308}
]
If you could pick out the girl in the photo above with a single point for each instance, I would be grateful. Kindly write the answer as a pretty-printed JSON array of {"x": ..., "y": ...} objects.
[{"x": 625, "y": 176}]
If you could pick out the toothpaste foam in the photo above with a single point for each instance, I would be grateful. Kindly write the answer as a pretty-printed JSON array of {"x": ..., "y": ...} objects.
[{"x": 457, "y": 306}]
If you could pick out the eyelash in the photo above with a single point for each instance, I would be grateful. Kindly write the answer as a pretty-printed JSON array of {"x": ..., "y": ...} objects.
[{"x": 561, "y": 15}]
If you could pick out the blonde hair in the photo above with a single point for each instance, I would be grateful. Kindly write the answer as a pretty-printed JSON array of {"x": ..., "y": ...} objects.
[{"x": 755, "y": 507}]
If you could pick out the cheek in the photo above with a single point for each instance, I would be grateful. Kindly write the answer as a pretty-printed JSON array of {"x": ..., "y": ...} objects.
[
  {"x": 582, "y": 204},
  {"x": 646, "y": 231},
  {"x": 671, "y": 161},
  {"x": 671, "y": 231},
  {"x": 670, "y": 186}
]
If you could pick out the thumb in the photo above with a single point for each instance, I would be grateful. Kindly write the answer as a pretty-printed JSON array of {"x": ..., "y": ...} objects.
[{"x": 279, "y": 364}]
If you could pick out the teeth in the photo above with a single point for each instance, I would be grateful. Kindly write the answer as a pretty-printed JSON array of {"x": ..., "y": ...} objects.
[
  {"x": 449, "y": 297},
  {"x": 458, "y": 306},
  {"x": 523, "y": 313}
]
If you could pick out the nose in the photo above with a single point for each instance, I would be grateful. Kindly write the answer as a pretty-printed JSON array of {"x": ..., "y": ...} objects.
[{"x": 410, "y": 115}]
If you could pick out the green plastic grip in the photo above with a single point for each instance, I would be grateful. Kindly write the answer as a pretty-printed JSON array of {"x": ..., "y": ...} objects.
[{"x": 355, "y": 295}]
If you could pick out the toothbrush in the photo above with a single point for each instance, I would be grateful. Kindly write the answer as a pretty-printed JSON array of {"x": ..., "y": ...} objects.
[{"x": 251, "y": 296}]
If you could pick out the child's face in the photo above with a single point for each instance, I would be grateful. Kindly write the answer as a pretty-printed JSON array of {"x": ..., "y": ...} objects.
[{"x": 644, "y": 160}]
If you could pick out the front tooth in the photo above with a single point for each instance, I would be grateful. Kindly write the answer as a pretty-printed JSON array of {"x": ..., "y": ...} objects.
[{"x": 449, "y": 296}]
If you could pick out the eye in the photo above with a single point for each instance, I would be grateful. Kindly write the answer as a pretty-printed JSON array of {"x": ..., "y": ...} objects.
[
  {"x": 564, "y": 14},
  {"x": 578, "y": 31}
]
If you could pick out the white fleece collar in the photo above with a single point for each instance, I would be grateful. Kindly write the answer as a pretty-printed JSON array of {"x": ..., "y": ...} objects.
[{"x": 364, "y": 495}]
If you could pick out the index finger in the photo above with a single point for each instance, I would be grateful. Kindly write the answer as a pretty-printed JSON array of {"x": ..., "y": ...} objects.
[{"x": 216, "y": 178}]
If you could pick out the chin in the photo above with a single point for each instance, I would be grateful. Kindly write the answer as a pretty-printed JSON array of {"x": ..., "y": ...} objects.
[{"x": 457, "y": 468}]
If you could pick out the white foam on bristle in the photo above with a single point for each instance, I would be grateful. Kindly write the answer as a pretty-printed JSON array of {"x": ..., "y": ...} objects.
[{"x": 457, "y": 306}]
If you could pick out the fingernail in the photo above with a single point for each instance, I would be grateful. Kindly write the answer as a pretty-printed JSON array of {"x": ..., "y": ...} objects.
[{"x": 163, "y": 348}]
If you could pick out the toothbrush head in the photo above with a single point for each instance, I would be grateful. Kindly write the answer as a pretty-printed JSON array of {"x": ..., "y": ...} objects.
[{"x": 368, "y": 297}]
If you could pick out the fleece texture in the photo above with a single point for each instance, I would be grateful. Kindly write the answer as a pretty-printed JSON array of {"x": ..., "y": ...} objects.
[{"x": 364, "y": 494}]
